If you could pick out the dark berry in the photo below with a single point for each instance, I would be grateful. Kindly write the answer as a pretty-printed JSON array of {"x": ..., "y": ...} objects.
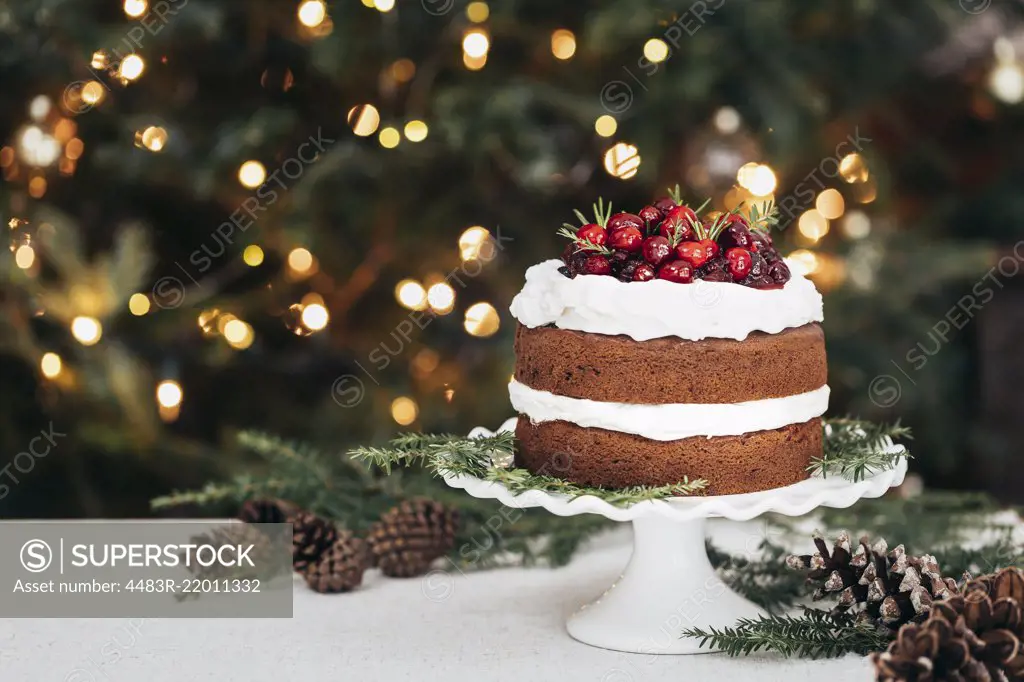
[
  {"x": 779, "y": 272},
  {"x": 739, "y": 262},
  {"x": 676, "y": 271},
  {"x": 567, "y": 252},
  {"x": 694, "y": 253},
  {"x": 628, "y": 269},
  {"x": 596, "y": 265},
  {"x": 763, "y": 282},
  {"x": 713, "y": 266},
  {"x": 627, "y": 239},
  {"x": 621, "y": 220},
  {"x": 593, "y": 233},
  {"x": 650, "y": 214},
  {"x": 758, "y": 266},
  {"x": 717, "y": 276},
  {"x": 565, "y": 271},
  {"x": 576, "y": 261},
  {"x": 665, "y": 204},
  {"x": 657, "y": 250},
  {"x": 618, "y": 259},
  {"x": 643, "y": 273},
  {"x": 736, "y": 236}
]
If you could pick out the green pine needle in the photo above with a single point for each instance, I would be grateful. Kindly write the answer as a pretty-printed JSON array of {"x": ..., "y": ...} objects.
[{"x": 855, "y": 449}]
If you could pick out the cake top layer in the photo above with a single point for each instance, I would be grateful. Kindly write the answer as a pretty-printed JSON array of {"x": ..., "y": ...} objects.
[{"x": 660, "y": 308}]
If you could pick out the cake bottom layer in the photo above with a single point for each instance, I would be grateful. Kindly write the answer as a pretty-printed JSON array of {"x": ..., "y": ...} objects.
[{"x": 760, "y": 460}]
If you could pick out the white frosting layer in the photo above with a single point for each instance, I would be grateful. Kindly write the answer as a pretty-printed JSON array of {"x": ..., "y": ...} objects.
[
  {"x": 649, "y": 310},
  {"x": 670, "y": 421}
]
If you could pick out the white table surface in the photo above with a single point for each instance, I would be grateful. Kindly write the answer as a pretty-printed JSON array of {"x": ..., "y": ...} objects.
[{"x": 503, "y": 624}]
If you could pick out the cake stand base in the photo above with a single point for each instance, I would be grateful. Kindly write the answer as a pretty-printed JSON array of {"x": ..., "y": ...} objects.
[{"x": 668, "y": 586}]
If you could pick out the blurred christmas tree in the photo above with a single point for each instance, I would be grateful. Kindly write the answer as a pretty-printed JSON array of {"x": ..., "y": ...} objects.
[{"x": 267, "y": 214}]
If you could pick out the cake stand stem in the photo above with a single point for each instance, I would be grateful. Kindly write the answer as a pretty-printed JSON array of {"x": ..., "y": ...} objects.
[{"x": 668, "y": 585}]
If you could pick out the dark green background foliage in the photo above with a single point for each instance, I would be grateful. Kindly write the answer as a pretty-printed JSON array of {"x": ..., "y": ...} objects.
[{"x": 512, "y": 145}]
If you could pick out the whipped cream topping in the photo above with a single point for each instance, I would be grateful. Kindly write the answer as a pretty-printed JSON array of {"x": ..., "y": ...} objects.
[
  {"x": 658, "y": 308},
  {"x": 670, "y": 421}
]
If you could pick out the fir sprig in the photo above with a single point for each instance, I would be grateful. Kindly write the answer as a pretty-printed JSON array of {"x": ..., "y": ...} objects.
[
  {"x": 815, "y": 634},
  {"x": 855, "y": 448},
  {"x": 569, "y": 232},
  {"x": 762, "y": 219},
  {"x": 602, "y": 213}
]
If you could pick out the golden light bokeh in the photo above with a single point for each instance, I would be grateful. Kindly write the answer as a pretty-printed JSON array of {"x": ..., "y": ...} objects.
[
  {"x": 856, "y": 225},
  {"x": 253, "y": 255},
  {"x": 563, "y": 44},
  {"x": 481, "y": 320},
  {"x": 135, "y": 8},
  {"x": 153, "y": 138},
  {"x": 404, "y": 410},
  {"x": 169, "y": 393},
  {"x": 39, "y": 107},
  {"x": 311, "y": 13},
  {"x": 606, "y": 125},
  {"x": 830, "y": 204},
  {"x": 758, "y": 178},
  {"x": 50, "y": 365},
  {"x": 139, "y": 304},
  {"x": 477, "y": 12},
  {"x": 86, "y": 330},
  {"x": 441, "y": 298},
  {"x": 622, "y": 160},
  {"x": 93, "y": 93},
  {"x": 474, "y": 63},
  {"x": 131, "y": 67},
  {"x": 411, "y": 294},
  {"x": 813, "y": 225},
  {"x": 803, "y": 262},
  {"x": 402, "y": 70},
  {"x": 384, "y": 5},
  {"x": 853, "y": 168},
  {"x": 252, "y": 174},
  {"x": 315, "y": 316},
  {"x": 656, "y": 50},
  {"x": 238, "y": 334},
  {"x": 727, "y": 120},
  {"x": 37, "y": 187},
  {"x": 24, "y": 256},
  {"x": 1006, "y": 82},
  {"x": 476, "y": 43},
  {"x": 416, "y": 131},
  {"x": 389, "y": 137},
  {"x": 473, "y": 241},
  {"x": 364, "y": 119},
  {"x": 300, "y": 259}
]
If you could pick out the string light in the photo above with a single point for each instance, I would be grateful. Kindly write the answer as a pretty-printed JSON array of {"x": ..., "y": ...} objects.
[
  {"x": 853, "y": 168},
  {"x": 50, "y": 365},
  {"x": 477, "y": 12},
  {"x": 207, "y": 321},
  {"x": 364, "y": 119},
  {"x": 312, "y": 13},
  {"x": 252, "y": 174},
  {"x": 813, "y": 225},
  {"x": 135, "y": 8},
  {"x": 416, "y": 131},
  {"x": 606, "y": 125},
  {"x": 411, "y": 294},
  {"x": 152, "y": 138},
  {"x": 238, "y": 334},
  {"x": 758, "y": 178},
  {"x": 389, "y": 137},
  {"x": 563, "y": 44},
  {"x": 622, "y": 161},
  {"x": 384, "y": 5},
  {"x": 727, "y": 120},
  {"x": 24, "y": 256},
  {"x": 300, "y": 259},
  {"x": 857, "y": 225},
  {"x": 131, "y": 67},
  {"x": 138, "y": 304},
  {"x": 315, "y": 316},
  {"x": 92, "y": 93},
  {"x": 169, "y": 393},
  {"x": 86, "y": 330},
  {"x": 475, "y": 43},
  {"x": 404, "y": 410},
  {"x": 473, "y": 241},
  {"x": 830, "y": 204},
  {"x": 656, "y": 50},
  {"x": 441, "y": 298},
  {"x": 481, "y": 320},
  {"x": 252, "y": 255}
]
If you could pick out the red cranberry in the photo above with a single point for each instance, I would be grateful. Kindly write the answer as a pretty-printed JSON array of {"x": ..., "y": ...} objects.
[
  {"x": 596, "y": 265},
  {"x": 627, "y": 239},
  {"x": 758, "y": 266},
  {"x": 643, "y": 273},
  {"x": 593, "y": 233},
  {"x": 736, "y": 236},
  {"x": 693, "y": 253},
  {"x": 711, "y": 246},
  {"x": 657, "y": 250},
  {"x": 677, "y": 226},
  {"x": 779, "y": 272},
  {"x": 622, "y": 220},
  {"x": 665, "y": 204},
  {"x": 650, "y": 214},
  {"x": 739, "y": 263},
  {"x": 676, "y": 271}
]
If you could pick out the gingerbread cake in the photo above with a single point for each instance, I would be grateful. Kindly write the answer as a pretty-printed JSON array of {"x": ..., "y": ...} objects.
[{"x": 666, "y": 346}]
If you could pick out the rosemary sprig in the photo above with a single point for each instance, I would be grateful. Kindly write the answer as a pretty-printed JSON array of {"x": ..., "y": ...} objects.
[
  {"x": 569, "y": 232},
  {"x": 763, "y": 219},
  {"x": 855, "y": 448},
  {"x": 815, "y": 634}
]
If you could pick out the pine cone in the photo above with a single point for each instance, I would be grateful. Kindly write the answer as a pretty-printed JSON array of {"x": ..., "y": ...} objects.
[
  {"x": 892, "y": 588},
  {"x": 267, "y": 511},
  {"x": 341, "y": 567},
  {"x": 409, "y": 537},
  {"x": 311, "y": 537},
  {"x": 975, "y": 636},
  {"x": 234, "y": 534}
]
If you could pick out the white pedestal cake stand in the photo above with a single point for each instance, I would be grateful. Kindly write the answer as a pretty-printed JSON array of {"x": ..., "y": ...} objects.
[{"x": 669, "y": 583}]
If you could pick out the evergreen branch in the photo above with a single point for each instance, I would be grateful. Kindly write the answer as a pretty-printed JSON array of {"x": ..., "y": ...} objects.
[
  {"x": 763, "y": 220},
  {"x": 703, "y": 205},
  {"x": 815, "y": 634},
  {"x": 854, "y": 448},
  {"x": 583, "y": 244},
  {"x": 675, "y": 194}
]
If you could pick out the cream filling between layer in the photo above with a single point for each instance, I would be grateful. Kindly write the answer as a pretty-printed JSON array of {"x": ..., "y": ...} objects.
[
  {"x": 670, "y": 421},
  {"x": 658, "y": 308}
]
